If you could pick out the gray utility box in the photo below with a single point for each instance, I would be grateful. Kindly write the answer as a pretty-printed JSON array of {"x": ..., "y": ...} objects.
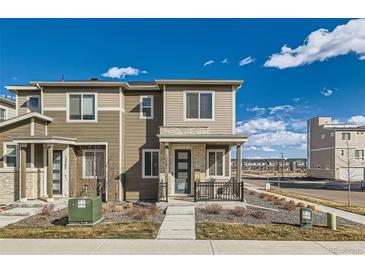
[{"x": 84, "y": 211}]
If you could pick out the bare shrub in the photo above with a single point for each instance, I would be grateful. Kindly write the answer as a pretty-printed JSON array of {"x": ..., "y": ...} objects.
[
  {"x": 311, "y": 207},
  {"x": 263, "y": 195},
  {"x": 118, "y": 209},
  {"x": 301, "y": 205},
  {"x": 292, "y": 202},
  {"x": 214, "y": 209},
  {"x": 278, "y": 202},
  {"x": 46, "y": 210},
  {"x": 251, "y": 192},
  {"x": 129, "y": 205},
  {"x": 270, "y": 198},
  {"x": 289, "y": 206},
  {"x": 138, "y": 213},
  {"x": 239, "y": 211},
  {"x": 260, "y": 214},
  {"x": 283, "y": 199},
  {"x": 153, "y": 210}
]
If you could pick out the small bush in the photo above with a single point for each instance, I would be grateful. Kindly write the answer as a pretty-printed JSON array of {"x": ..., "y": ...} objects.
[
  {"x": 118, "y": 209},
  {"x": 278, "y": 202},
  {"x": 260, "y": 214},
  {"x": 283, "y": 199},
  {"x": 239, "y": 211},
  {"x": 289, "y": 206},
  {"x": 292, "y": 202},
  {"x": 153, "y": 210},
  {"x": 270, "y": 198},
  {"x": 138, "y": 213},
  {"x": 300, "y": 205},
  {"x": 129, "y": 206},
  {"x": 311, "y": 207},
  {"x": 214, "y": 209},
  {"x": 263, "y": 195},
  {"x": 251, "y": 192},
  {"x": 46, "y": 210}
]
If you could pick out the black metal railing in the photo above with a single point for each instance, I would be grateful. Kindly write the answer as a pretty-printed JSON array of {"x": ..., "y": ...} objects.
[
  {"x": 163, "y": 192},
  {"x": 219, "y": 191}
]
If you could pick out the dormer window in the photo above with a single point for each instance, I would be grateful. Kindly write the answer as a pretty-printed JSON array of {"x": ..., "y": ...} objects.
[
  {"x": 34, "y": 103},
  {"x": 199, "y": 105}
]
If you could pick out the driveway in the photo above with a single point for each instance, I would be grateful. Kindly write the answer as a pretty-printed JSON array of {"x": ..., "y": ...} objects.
[{"x": 314, "y": 189}]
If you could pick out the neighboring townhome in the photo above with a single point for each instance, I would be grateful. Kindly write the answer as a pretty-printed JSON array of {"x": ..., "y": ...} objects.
[
  {"x": 119, "y": 140},
  {"x": 335, "y": 151},
  {"x": 7, "y": 108}
]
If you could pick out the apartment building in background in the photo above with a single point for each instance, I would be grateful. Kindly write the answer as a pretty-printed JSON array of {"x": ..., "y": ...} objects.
[
  {"x": 335, "y": 151},
  {"x": 274, "y": 165},
  {"x": 118, "y": 140}
]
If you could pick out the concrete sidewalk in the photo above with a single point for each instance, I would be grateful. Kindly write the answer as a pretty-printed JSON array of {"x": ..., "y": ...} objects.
[
  {"x": 339, "y": 213},
  {"x": 176, "y": 247}
]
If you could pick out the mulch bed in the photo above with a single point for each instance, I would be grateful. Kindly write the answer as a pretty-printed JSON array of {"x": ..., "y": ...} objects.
[{"x": 283, "y": 216}]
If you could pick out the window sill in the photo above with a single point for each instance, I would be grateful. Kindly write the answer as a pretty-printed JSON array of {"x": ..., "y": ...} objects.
[{"x": 150, "y": 177}]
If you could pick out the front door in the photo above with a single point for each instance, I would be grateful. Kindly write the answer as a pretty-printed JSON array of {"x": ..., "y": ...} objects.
[
  {"x": 57, "y": 172},
  {"x": 182, "y": 171}
]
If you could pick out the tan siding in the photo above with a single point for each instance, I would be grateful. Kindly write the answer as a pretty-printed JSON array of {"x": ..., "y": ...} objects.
[
  {"x": 54, "y": 99},
  {"x": 174, "y": 112},
  {"x": 9, "y": 132},
  {"x": 105, "y": 130},
  {"x": 22, "y": 100},
  {"x": 39, "y": 128},
  {"x": 140, "y": 134}
]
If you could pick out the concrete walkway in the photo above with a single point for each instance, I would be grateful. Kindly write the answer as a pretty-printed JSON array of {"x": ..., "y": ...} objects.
[
  {"x": 176, "y": 247},
  {"x": 339, "y": 213},
  {"x": 179, "y": 224}
]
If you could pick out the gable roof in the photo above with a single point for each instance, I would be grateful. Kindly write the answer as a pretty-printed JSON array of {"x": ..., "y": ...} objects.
[{"x": 25, "y": 117}]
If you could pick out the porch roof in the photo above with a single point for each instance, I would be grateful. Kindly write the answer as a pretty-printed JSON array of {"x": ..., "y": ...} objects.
[
  {"x": 26, "y": 116},
  {"x": 204, "y": 138},
  {"x": 45, "y": 140}
]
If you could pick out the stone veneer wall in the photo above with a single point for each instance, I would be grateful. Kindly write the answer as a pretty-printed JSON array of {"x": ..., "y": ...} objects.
[
  {"x": 183, "y": 131},
  {"x": 9, "y": 185},
  {"x": 198, "y": 161}
]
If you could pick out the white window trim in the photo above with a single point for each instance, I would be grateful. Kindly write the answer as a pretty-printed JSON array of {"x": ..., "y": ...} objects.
[
  {"x": 199, "y": 92},
  {"x": 347, "y": 134},
  {"x": 224, "y": 164},
  {"x": 39, "y": 102},
  {"x": 68, "y": 120},
  {"x": 141, "y": 107},
  {"x": 143, "y": 163},
  {"x": 5, "y": 144},
  {"x": 6, "y": 112},
  {"x": 84, "y": 151}
]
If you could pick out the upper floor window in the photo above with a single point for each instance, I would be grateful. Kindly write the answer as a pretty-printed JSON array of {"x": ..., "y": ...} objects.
[
  {"x": 146, "y": 107},
  {"x": 199, "y": 105},
  {"x": 82, "y": 107},
  {"x": 359, "y": 155},
  {"x": 2, "y": 114},
  {"x": 34, "y": 103},
  {"x": 346, "y": 136}
]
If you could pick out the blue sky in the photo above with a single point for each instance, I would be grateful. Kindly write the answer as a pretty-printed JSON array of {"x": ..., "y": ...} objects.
[{"x": 324, "y": 76}]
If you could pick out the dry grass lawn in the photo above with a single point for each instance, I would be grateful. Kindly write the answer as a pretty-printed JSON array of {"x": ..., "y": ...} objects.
[
  {"x": 277, "y": 232},
  {"x": 353, "y": 209},
  {"x": 137, "y": 230}
]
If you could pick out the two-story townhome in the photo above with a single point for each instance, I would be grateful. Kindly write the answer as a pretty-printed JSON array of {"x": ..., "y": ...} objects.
[
  {"x": 7, "y": 108},
  {"x": 335, "y": 151},
  {"x": 120, "y": 140}
]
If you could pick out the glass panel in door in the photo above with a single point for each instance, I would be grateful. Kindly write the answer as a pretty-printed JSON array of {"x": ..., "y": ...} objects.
[
  {"x": 57, "y": 172},
  {"x": 182, "y": 171}
]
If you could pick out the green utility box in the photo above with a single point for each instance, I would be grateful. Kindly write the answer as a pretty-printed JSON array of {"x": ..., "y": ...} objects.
[
  {"x": 306, "y": 217},
  {"x": 331, "y": 221},
  {"x": 84, "y": 211}
]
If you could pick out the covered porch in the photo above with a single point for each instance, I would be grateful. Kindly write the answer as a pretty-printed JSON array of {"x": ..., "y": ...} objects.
[{"x": 199, "y": 166}]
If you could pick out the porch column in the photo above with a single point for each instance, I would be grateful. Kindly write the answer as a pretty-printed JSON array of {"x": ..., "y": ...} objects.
[
  {"x": 50, "y": 173},
  {"x": 23, "y": 173},
  {"x": 167, "y": 162},
  {"x": 238, "y": 163}
]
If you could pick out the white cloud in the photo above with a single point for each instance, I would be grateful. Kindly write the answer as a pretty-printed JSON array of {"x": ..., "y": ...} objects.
[
  {"x": 296, "y": 99},
  {"x": 262, "y": 124},
  {"x": 255, "y": 148},
  {"x": 321, "y": 45},
  {"x": 225, "y": 61},
  {"x": 116, "y": 72},
  {"x": 284, "y": 108},
  {"x": 246, "y": 61},
  {"x": 279, "y": 138},
  {"x": 208, "y": 63},
  {"x": 257, "y": 110},
  {"x": 298, "y": 124},
  {"x": 357, "y": 120},
  {"x": 327, "y": 92}
]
